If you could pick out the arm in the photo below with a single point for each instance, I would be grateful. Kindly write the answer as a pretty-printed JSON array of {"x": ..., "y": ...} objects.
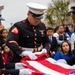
[
  {"x": 57, "y": 56},
  {"x": 12, "y": 39}
]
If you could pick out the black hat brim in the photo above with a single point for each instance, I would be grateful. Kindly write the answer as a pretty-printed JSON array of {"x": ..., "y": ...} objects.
[{"x": 39, "y": 16}]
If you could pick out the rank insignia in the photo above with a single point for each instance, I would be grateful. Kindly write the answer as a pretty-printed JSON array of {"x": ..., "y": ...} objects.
[{"x": 15, "y": 30}]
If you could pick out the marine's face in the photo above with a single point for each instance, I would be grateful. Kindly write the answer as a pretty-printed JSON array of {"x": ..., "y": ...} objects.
[{"x": 34, "y": 21}]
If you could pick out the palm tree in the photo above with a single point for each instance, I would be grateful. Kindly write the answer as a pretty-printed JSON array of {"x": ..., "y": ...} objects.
[{"x": 57, "y": 12}]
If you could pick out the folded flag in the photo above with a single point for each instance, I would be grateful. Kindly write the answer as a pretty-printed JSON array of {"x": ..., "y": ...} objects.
[{"x": 45, "y": 65}]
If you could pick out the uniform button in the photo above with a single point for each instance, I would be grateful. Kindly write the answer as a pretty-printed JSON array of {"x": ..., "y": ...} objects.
[
  {"x": 35, "y": 46},
  {"x": 34, "y": 42},
  {"x": 35, "y": 34},
  {"x": 27, "y": 36},
  {"x": 34, "y": 30},
  {"x": 33, "y": 27},
  {"x": 35, "y": 50},
  {"x": 35, "y": 38}
]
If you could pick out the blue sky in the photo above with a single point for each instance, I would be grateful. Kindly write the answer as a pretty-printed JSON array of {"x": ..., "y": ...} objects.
[{"x": 16, "y": 10}]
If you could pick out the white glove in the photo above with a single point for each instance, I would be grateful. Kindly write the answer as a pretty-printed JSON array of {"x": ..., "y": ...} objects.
[
  {"x": 44, "y": 50},
  {"x": 25, "y": 72},
  {"x": 25, "y": 53},
  {"x": 19, "y": 65},
  {"x": 30, "y": 54}
]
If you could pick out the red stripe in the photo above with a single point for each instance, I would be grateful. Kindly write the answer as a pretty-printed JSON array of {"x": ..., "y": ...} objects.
[
  {"x": 35, "y": 71},
  {"x": 56, "y": 67}
]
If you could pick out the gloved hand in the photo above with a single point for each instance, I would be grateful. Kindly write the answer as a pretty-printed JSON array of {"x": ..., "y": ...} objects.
[
  {"x": 44, "y": 50},
  {"x": 19, "y": 65},
  {"x": 25, "y": 72},
  {"x": 25, "y": 53},
  {"x": 31, "y": 55}
]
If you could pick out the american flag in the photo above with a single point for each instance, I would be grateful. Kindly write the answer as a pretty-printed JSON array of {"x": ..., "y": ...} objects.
[{"x": 44, "y": 65}]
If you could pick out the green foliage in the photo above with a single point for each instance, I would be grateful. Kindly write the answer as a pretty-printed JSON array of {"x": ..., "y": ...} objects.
[{"x": 57, "y": 12}]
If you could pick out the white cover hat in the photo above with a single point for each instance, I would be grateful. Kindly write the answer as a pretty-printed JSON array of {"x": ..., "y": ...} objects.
[
  {"x": 36, "y": 9},
  {"x": 72, "y": 6}
]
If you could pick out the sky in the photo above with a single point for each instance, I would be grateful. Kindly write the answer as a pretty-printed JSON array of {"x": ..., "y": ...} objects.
[{"x": 16, "y": 10}]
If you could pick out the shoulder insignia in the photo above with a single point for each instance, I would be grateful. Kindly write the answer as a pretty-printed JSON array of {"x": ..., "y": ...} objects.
[
  {"x": 21, "y": 22},
  {"x": 15, "y": 30},
  {"x": 13, "y": 42}
]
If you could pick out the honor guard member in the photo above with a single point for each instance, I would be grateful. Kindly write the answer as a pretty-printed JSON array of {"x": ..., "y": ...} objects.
[
  {"x": 27, "y": 36},
  {"x": 12, "y": 70}
]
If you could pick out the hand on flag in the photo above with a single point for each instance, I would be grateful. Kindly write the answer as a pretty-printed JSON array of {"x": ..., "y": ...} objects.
[{"x": 31, "y": 55}]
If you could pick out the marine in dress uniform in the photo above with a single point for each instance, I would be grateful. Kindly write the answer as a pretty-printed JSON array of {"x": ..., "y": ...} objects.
[
  {"x": 25, "y": 36},
  {"x": 29, "y": 34}
]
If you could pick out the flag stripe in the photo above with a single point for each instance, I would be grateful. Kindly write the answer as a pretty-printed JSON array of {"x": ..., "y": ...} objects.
[
  {"x": 51, "y": 60},
  {"x": 34, "y": 70},
  {"x": 55, "y": 67},
  {"x": 47, "y": 66},
  {"x": 43, "y": 68}
]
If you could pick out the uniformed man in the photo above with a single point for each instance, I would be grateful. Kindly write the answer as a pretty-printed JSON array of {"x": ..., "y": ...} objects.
[{"x": 27, "y": 36}]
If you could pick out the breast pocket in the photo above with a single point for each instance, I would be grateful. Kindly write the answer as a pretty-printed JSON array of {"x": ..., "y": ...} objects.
[
  {"x": 42, "y": 33},
  {"x": 28, "y": 35}
]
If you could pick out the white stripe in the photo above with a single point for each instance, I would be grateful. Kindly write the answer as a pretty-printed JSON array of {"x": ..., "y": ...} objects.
[
  {"x": 51, "y": 60},
  {"x": 58, "y": 63},
  {"x": 43, "y": 68}
]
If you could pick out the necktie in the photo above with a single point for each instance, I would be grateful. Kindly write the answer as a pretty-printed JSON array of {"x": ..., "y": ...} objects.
[{"x": 50, "y": 38}]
